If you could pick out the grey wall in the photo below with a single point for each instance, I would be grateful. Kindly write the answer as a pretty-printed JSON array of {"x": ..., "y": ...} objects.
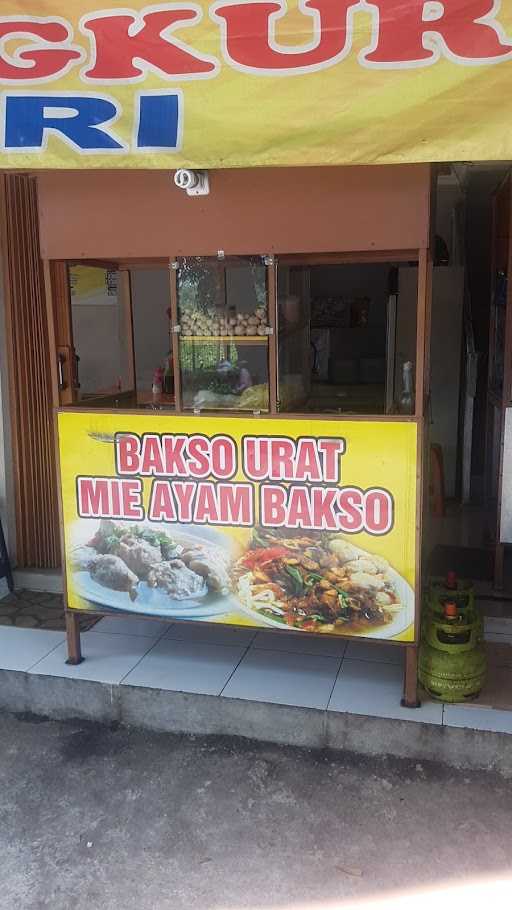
[
  {"x": 150, "y": 302},
  {"x": 96, "y": 334},
  {"x": 446, "y": 339}
]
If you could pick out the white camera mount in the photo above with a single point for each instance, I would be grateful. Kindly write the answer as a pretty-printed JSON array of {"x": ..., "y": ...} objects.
[{"x": 196, "y": 183}]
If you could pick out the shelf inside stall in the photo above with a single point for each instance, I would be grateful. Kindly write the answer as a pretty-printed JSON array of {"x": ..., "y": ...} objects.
[{"x": 227, "y": 339}]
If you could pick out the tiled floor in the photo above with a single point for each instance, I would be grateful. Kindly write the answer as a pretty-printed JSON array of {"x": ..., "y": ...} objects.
[
  {"x": 277, "y": 667},
  {"x": 36, "y": 610},
  {"x": 174, "y": 664},
  {"x": 374, "y": 687},
  {"x": 284, "y": 678},
  {"x": 20, "y": 649}
]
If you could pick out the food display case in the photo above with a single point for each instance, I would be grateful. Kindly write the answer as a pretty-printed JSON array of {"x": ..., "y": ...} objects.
[{"x": 223, "y": 326}]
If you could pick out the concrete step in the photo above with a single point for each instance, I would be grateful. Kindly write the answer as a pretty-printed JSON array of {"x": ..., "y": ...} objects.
[{"x": 59, "y": 698}]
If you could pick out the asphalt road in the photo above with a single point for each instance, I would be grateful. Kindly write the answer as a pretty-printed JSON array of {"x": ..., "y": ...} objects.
[{"x": 93, "y": 818}]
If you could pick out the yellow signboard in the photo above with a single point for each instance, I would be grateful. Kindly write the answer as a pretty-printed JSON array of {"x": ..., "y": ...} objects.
[
  {"x": 241, "y": 83},
  {"x": 307, "y": 525},
  {"x": 92, "y": 286}
]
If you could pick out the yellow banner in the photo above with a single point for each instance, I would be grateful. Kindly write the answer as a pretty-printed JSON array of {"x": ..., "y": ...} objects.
[
  {"x": 240, "y": 83},
  {"x": 307, "y": 525}
]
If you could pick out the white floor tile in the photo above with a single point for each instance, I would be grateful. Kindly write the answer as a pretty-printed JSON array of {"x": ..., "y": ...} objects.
[
  {"x": 300, "y": 643},
  {"x": 183, "y": 666},
  {"x": 21, "y": 648},
  {"x": 378, "y": 652},
  {"x": 476, "y": 718},
  {"x": 284, "y": 679},
  {"x": 375, "y": 689},
  {"x": 107, "y": 658},
  {"x": 210, "y": 633},
  {"x": 131, "y": 625}
]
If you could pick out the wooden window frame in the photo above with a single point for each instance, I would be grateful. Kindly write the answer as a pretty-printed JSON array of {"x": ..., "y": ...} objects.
[{"x": 420, "y": 257}]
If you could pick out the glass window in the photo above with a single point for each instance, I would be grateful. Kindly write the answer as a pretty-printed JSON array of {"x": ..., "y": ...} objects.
[
  {"x": 338, "y": 330},
  {"x": 223, "y": 342},
  {"x": 151, "y": 308},
  {"x": 101, "y": 332}
]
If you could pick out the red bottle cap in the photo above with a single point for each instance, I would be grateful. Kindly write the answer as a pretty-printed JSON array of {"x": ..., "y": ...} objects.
[
  {"x": 451, "y": 579},
  {"x": 451, "y": 610}
]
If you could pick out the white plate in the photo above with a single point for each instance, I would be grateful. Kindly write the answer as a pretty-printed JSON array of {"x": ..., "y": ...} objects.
[
  {"x": 400, "y": 622},
  {"x": 154, "y": 601}
]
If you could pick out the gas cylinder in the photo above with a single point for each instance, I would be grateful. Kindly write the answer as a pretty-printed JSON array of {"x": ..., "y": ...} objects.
[
  {"x": 454, "y": 589},
  {"x": 452, "y": 658}
]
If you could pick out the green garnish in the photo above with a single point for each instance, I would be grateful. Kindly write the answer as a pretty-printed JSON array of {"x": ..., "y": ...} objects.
[
  {"x": 312, "y": 579},
  {"x": 298, "y": 582},
  {"x": 111, "y": 542},
  {"x": 259, "y": 539}
]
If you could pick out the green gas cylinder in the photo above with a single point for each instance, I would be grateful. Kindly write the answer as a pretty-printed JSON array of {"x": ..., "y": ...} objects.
[
  {"x": 452, "y": 659},
  {"x": 454, "y": 590}
]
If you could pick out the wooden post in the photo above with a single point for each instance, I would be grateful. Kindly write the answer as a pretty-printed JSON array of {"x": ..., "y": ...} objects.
[
  {"x": 175, "y": 337},
  {"x": 73, "y": 639},
  {"x": 410, "y": 699},
  {"x": 272, "y": 350}
]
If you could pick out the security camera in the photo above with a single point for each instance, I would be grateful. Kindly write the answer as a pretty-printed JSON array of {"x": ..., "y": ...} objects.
[{"x": 196, "y": 183}]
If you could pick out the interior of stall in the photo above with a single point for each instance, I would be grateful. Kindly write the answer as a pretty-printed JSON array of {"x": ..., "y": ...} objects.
[{"x": 342, "y": 337}]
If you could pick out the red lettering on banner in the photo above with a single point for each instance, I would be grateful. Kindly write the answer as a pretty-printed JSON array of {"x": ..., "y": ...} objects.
[
  {"x": 40, "y": 61},
  {"x": 282, "y": 456},
  {"x": 202, "y": 503},
  {"x": 175, "y": 465},
  {"x": 152, "y": 461},
  {"x": 108, "y": 497},
  {"x": 250, "y": 42},
  {"x": 176, "y": 456},
  {"x": 161, "y": 507},
  {"x": 307, "y": 458},
  {"x": 331, "y": 450},
  {"x": 235, "y": 504},
  {"x": 272, "y": 506},
  {"x": 184, "y": 493},
  {"x": 199, "y": 450},
  {"x": 127, "y": 45},
  {"x": 325, "y": 508},
  {"x": 417, "y": 32},
  {"x": 299, "y": 511},
  {"x": 223, "y": 457},
  {"x": 379, "y": 511},
  {"x": 323, "y": 502},
  {"x": 206, "y": 511},
  {"x": 308, "y": 462},
  {"x": 127, "y": 453},
  {"x": 256, "y": 458},
  {"x": 351, "y": 518}
]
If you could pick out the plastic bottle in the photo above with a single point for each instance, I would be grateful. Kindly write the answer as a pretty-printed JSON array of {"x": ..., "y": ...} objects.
[
  {"x": 168, "y": 380},
  {"x": 156, "y": 388},
  {"x": 406, "y": 404}
]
